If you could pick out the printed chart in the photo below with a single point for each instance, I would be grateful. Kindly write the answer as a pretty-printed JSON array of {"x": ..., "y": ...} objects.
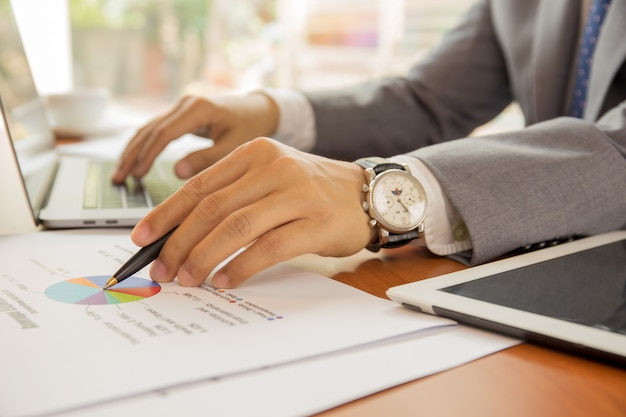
[{"x": 88, "y": 290}]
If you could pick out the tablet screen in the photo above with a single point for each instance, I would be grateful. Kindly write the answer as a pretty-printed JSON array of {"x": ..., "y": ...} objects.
[{"x": 587, "y": 287}]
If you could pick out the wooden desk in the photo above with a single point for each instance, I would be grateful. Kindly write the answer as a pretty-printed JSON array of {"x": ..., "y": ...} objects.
[{"x": 526, "y": 380}]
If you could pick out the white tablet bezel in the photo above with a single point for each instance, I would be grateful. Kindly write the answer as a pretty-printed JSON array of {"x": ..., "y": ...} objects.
[{"x": 427, "y": 296}]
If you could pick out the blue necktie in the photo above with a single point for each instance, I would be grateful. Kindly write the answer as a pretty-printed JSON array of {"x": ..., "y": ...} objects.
[{"x": 590, "y": 36}]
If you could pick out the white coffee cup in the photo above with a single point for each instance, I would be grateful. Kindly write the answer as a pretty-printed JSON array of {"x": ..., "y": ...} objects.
[{"x": 78, "y": 111}]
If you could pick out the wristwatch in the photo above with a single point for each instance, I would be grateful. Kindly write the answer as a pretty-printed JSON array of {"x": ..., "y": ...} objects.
[{"x": 395, "y": 201}]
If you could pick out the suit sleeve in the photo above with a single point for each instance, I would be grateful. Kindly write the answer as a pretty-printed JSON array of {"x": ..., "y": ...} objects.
[
  {"x": 462, "y": 84},
  {"x": 555, "y": 179}
]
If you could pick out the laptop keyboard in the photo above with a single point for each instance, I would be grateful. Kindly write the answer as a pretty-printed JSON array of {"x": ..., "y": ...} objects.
[{"x": 151, "y": 190}]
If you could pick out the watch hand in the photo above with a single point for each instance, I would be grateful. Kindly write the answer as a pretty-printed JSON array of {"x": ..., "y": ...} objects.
[{"x": 406, "y": 208}]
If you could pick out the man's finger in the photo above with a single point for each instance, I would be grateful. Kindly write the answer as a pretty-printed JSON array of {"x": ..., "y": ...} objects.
[{"x": 275, "y": 246}]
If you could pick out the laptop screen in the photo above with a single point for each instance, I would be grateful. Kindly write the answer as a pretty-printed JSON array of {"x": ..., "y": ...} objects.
[{"x": 24, "y": 113}]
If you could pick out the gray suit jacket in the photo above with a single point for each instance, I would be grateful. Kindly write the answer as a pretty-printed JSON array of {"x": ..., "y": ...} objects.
[{"x": 557, "y": 177}]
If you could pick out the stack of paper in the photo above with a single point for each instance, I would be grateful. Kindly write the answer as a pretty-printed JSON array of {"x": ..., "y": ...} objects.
[{"x": 287, "y": 342}]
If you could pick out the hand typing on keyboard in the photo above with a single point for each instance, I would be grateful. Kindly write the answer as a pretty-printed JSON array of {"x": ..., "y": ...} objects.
[{"x": 228, "y": 121}]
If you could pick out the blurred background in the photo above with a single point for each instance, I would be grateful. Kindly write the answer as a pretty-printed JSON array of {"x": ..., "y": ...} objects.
[{"x": 161, "y": 49}]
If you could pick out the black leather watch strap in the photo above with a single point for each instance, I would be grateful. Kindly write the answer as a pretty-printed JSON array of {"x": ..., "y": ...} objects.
[
  {"x": 386, "y": 166},
  {"x": 395, "y": 241}
]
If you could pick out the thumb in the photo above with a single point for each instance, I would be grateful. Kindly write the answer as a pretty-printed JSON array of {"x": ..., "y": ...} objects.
[{"x": 197, "y": 161}]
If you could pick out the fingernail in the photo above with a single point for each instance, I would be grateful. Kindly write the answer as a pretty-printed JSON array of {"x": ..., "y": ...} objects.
[
  {"x": 184, "y": 169},
  {"x": 158, "y": 272},
  {"x": 140, "y": 234},
  {"x": 220, "y": 280},
  {"x": 184, "y": 277}
]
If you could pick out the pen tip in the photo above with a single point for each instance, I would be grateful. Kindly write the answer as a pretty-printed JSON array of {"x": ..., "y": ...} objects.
[{"x": 111, "y": 282}]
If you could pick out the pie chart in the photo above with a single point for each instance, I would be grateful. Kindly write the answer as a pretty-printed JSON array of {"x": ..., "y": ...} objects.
[{"x": 88, "y": 290}]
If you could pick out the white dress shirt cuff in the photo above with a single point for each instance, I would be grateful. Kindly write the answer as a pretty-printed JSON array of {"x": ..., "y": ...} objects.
[
  {"x": 445, "y": 232},
  {"x": 296, "y": 122}
]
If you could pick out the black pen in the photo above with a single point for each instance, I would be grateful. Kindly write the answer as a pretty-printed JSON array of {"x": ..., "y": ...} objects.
[{"x": 142, "y": 258}]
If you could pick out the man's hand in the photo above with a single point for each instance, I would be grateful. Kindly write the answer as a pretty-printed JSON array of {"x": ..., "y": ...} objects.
[
  {"x": 228, "y": 121},
  {"x": 272, "y": 200}
]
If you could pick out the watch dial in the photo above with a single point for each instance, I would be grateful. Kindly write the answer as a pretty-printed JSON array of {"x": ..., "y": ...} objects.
[{"x": 398, "y": 201}]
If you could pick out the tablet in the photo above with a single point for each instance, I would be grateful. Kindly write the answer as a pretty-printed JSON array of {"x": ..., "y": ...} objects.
[{"x": 570, "y": 296}]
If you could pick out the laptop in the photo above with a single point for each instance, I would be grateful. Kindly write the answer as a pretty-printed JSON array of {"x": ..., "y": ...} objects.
[
  {"x": 571, "y": 296},
  {"x": 59, "y": 192}
]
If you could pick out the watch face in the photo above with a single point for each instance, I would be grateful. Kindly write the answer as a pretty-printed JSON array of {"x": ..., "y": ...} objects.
[{"x": 397, "y": 200}]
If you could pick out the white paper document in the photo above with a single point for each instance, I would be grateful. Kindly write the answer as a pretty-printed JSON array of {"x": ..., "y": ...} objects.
[
  {"x": 313, "y": 385},
  {"x": 67, "y": 344}
]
